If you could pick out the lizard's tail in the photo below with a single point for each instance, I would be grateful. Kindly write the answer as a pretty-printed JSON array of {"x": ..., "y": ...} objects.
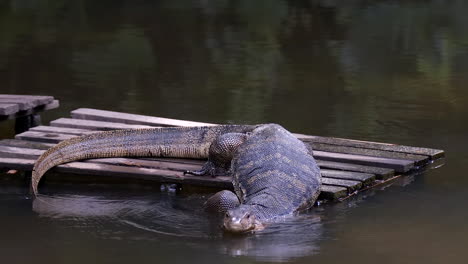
[{"x": 180, "y": 142}]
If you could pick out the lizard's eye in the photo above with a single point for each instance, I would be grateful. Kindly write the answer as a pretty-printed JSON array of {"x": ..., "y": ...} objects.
[
  {"x": 247, "y": 216},
  {"x": 226, "y": 215}
]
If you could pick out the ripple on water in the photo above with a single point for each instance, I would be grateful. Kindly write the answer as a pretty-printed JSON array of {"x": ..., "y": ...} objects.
[{"x": 161, "y": 216}]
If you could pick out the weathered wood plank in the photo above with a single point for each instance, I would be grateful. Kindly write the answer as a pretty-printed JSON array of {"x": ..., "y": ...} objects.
[
  {"x": 25, "y": 144},
  {"x": 381, "y": 173},
  {"x": 418, "y": 159},
  {"x": 92, "y": 125},
  {"x": 135, "y": 173},
  {"x": 14, "y": 152},
  {"x": 329, "y": 192},
  {"x": 40, "y": 108},
  {"x": 23, "y": 104},
  {"x": 351, "y": 185},
  {"x": 397, "y": 165},
  {"x": 433, "y": 153},
  {"x": 43, "y": 136},
  {"x": 36, "y": 99},
  {"x": 8, "y": 109},
  {"x": 365, "y": 178},
  {"x": 118, "y": 117},
  {"x": 63, "y": 130}
]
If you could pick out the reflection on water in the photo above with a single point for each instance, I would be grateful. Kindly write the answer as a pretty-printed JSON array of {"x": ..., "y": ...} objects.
[{"x": 157, "y": 216}]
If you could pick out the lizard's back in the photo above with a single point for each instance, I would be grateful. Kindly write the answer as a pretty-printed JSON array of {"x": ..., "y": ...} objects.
[{"x": 274, "y": 172}]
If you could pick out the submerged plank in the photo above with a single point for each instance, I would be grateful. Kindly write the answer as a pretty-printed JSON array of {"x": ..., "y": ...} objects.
[
  {"x": 118, "y": 117},
  {"x": 92, "y": 125}
]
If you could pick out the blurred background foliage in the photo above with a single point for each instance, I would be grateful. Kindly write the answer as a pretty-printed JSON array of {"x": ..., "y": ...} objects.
[{"x": 242, "y": 61}]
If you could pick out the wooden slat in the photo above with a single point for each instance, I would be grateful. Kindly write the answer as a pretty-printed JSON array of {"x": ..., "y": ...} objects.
[
  {"x": 365, "y": 178},
  {"x": 135, "y": 173},
  {"x": 36, "y": 99},
  {"x": 43, "y": 137},
  {"x": 332, "y": 192},
  {"x": 397, "y": 165},
  {"x": 118, "y": 117},
  {"x": 63, "y": 130},
  {"x": 92, "y": 125},
  {"x": 381, "y": 173},
  {"x": 23, "y": 104},
  {"x": 418, "y": 159},
  {"x": 40, "y": 108},
  {"x": 8, "y": 109},
  {"x": 25, "y": 144},
  {"x": 14, "y": 152},
  {"x": 433, "y": 153},
  {"x": 351, "y": 185}
]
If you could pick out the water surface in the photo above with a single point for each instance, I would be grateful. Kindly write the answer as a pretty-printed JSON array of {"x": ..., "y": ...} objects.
[{"x": 390, "y": 71}]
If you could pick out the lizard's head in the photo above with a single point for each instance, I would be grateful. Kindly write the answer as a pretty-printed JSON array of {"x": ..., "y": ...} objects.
[{"x": 240, "y": 220}]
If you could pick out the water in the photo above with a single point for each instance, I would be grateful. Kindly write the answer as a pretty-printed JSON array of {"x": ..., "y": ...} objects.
[{"x": 390, "y": 71}]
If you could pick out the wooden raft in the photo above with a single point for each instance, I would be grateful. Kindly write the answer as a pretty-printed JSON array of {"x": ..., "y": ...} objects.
[
  {"x": 347, "y": 166},
  {"x": 25, "y": 109}
]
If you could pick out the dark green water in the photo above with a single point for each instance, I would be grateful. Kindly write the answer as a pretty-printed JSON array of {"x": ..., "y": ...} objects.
[{"x": 390, "y": 71}]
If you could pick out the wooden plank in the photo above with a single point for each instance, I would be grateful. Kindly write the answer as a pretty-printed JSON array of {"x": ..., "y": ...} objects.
[
  {"x": 92, "y": 125},
  {"x": 8, "y": 109},
  {"x": 433, "y": 153},
  {"x": 380, "y": 173},
  {"x": 25, "y": 144},
  {"x": 54, "y": 104},
  {"x": 351, "y": 185},
  {"x": 418, "y": 159},
  {"x": 36, "y": 99},
  {"x": 43, "y": 137},
  {"x": 118, "y": 117},
  {"x": 14, "y": 152},
  {"x": 23, "y": 104},
  {"x": 397, "y": 165},
  {"x": 63, "y": 130},
  {"x": 329, "y": 192},
  {"x": 106, "y": 170},
  {"x": 365, "y": 178}
]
